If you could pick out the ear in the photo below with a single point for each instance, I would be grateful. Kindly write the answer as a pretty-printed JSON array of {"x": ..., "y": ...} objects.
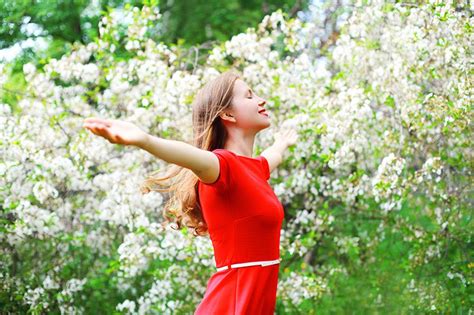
[{"x": 227, "y": 116}]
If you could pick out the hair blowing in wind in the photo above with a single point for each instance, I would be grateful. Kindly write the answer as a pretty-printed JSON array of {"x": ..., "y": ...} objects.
[{"x": 209, "y": 133}]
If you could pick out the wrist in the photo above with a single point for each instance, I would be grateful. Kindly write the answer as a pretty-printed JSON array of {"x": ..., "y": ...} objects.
[
  {"x": 144, "y": 141},
  {"x": 280, "y": 145}
]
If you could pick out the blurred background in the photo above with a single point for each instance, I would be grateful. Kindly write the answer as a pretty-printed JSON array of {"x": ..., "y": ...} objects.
[
  {"x": 377, "y": 192},
  {"x": 36, "y": 31},
  {"x": 47, "y": 28}
]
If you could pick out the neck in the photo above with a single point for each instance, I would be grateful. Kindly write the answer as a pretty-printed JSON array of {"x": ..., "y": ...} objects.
[{"x": 240, "y": 144}]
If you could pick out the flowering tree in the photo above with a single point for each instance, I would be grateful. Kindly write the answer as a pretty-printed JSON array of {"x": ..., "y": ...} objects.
[{"x": 375, "y": 192}]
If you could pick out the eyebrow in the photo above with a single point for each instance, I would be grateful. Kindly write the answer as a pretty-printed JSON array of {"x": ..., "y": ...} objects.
[{"x": 249, "y": 90}]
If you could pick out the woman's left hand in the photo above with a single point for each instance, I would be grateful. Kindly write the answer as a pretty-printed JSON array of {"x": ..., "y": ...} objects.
[{"x": 288, "y": 137}]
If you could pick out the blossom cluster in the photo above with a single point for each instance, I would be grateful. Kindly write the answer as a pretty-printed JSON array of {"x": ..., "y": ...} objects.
[{"x": 384, "y": 111}]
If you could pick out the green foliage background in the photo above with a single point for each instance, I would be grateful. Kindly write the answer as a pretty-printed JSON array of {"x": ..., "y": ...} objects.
[{"x": 368, "y": 276}]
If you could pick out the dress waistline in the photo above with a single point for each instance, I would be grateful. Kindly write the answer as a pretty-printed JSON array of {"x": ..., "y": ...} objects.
[{"x": 263, "y": 263}]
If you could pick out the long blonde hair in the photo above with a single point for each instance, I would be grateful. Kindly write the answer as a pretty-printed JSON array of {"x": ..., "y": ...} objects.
[{"x": 209, "y": 133}]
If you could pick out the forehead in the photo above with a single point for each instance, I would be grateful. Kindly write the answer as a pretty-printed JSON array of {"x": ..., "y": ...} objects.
[{"x": 240, "y": 86}]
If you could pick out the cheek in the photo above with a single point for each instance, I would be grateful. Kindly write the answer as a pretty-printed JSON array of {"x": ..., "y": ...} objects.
[
  {"x": 251, "y": 112},
  {"x": 246, "y": 109}
]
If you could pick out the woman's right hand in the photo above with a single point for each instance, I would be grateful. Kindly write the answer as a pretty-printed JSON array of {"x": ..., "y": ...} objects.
[{"x": 116, "y": 131}]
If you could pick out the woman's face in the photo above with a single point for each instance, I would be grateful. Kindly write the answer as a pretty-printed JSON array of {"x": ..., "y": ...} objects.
[{"x": 248, "y": 109}]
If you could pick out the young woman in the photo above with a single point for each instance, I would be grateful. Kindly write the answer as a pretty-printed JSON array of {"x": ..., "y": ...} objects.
[{"x": 222, "y": 191}]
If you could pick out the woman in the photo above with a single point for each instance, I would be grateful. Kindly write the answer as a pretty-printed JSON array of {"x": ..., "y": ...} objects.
[{"x": 223, "y": 190}]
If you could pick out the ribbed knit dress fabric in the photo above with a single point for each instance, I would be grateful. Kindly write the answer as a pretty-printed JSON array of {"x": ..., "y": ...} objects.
[{"x": 244, "y": 218}]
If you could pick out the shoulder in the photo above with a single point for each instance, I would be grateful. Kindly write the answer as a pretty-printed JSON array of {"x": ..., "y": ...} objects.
[
  {"x": 225, "y": 153},
  {"x": 265, "y": 166},
  {"x": 222, "y": 170},
  {"x": 227, "y": 157}
]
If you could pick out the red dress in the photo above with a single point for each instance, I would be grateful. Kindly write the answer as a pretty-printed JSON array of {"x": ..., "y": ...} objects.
[{"x": 244, "y": 218}]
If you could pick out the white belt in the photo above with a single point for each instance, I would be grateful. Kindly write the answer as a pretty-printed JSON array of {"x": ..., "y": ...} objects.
[{"x": 252, "y": 263}]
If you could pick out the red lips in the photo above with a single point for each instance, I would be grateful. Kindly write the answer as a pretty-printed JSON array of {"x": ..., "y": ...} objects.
[{"x": 263, "y": 112}]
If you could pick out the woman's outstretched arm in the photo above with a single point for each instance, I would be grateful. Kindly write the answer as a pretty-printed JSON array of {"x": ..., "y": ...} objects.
[
  {"x": 203, "y": 163},
  {"x": 274, "y": 153}
]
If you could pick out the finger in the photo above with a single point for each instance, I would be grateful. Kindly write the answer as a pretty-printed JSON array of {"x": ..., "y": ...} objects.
[
  {"x": 100, "y": 125},
  {"x": 106, "y": 122},
  {"x": 97, "y": 129},
  {"x": 91, "y": 124},
  {"x": 98, "y": 121},
  {"x": 119, "y": 139},
  {"x": 103, "y": 132},
  {"x": 94, "y": 131},
  {"x": 109, "y": 135}
]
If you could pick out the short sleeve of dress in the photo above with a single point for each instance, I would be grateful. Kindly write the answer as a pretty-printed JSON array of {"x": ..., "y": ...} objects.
[
  {"x": 223, "y": 180},
  {"x": 265, "y": 167}
]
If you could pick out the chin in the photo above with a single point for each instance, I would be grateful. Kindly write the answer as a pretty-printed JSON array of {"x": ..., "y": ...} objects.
[{"x": 266, "y": 126}]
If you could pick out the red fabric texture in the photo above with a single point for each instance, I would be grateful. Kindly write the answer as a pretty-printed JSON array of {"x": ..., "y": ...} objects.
[{"x": 244, "y": 217}]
